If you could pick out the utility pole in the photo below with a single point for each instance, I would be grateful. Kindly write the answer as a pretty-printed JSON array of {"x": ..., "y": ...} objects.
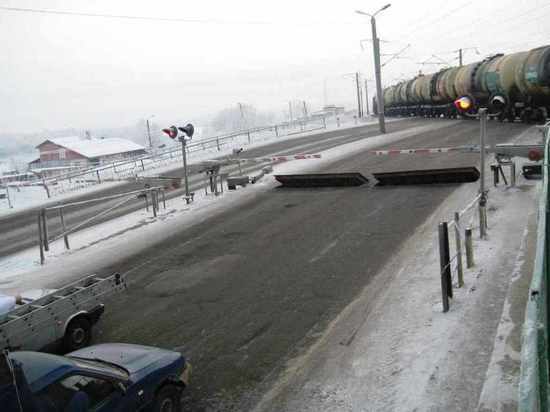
[
  {"x": 358, "y": 86},
  {"x": 367, "y": 97},
  {"x": 290, "y": 110},
  {"x": 376, "y": 51},
  {"x": 149, "y": 135},
  {"x": 243, "y": 120},
  {"x": 325, "y": 92},
  {"x": 305, "y": 108},
  {"x": 379, "y": 95}
]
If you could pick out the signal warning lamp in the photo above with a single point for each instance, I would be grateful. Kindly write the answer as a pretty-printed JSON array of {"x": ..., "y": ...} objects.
[
  {"x": 463, "y": 104},
  {"x": 172, "y": 132},
  {"x": 188, "y": 130}
]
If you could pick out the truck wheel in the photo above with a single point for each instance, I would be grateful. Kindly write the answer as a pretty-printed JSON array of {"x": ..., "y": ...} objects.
[
  {"x": 78, "y": 334},
  {"x": 168, "y": 399}
]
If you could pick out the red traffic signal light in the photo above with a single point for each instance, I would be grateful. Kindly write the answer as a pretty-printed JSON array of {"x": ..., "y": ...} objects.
[
  {"x": 172, "y": 132},
  {"x": 463, "y": 104}
]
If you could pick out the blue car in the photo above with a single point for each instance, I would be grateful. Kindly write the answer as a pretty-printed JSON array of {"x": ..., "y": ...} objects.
[{"x": 107, "y": 377}]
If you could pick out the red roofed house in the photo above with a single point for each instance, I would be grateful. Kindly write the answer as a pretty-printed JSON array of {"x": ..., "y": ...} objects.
[{"x": 76, "y": 152}]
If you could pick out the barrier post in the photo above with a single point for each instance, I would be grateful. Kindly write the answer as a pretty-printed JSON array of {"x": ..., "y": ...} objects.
[
  {"x": 154, "y": 202},
  {"x": 458, "y": 251},
  {"x": 482, "y": 217},
  {"x": 65, "y": 235},
  {"x": 444, "y": 262},
  {"x": 469, "y": 248},
  {"x": 45, "y": 230},
  {"x": 41, "y": 239}
]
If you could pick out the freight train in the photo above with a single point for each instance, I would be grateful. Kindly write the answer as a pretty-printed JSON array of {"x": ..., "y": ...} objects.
[{"x": 512, "y": 86}]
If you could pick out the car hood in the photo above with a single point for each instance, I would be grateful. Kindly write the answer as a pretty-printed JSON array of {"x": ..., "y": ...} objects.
[{"x": 131, "y": 357}]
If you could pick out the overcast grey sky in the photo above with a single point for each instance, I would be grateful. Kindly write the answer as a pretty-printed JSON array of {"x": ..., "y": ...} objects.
[{"x": 62, "y": 71}]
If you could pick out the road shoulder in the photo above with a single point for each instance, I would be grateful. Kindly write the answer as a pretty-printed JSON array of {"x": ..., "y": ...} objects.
[{"x": 412, "y": 356}]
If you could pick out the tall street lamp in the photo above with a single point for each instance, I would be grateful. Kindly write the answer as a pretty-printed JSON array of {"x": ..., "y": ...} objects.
[{"x": 376, "y": 48}]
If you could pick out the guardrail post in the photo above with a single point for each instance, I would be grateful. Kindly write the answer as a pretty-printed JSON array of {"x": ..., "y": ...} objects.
[
  {"x": 495, "y": 170},
  {"x": 10, "y": 205},
  {"x": 445, "y": 266},
  {"x": 513, "y": 174},
  {"x": 45, "y": 230},
  {"x": 153, "y": 203},
  {"x": 324, "y": 122},
  {"x": 41, "y": 239},
  {"x": 164, "y": 198},
  {"x": 276, "y": 131},
  {"x": 249, "y": 140},
  {"x": 458, "y": 251},
  {"x": 98, "y": 177},
  {"x": 146, "y": 201},
  {"x": 65, "y": 235},
  {"x": 217, "y": 143},
  {"x": 469, "y": 248},
  {"x": 482, "y": 216}
]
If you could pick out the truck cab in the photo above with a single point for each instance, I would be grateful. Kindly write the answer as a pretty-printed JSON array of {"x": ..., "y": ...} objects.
[{"x": 106, "y": 377}]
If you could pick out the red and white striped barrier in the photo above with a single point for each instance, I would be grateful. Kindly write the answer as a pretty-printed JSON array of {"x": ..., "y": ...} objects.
[
  {"x": 281, "y": 158},
  {"x": 417, "y": 151}
]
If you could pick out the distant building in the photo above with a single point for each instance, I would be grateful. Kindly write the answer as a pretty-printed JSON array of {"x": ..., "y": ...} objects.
[
  {"x": 76, "y": 152},
  {"x": 330, "y": 110}
]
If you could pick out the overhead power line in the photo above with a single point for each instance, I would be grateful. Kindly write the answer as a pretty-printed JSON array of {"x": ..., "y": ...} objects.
[{"x": 130, "y": 17}]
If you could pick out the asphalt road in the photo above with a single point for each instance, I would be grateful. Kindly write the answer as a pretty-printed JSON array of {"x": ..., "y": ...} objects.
[
  {"x": 19, "y": 230},
  {"x": 245, "y": 291}
]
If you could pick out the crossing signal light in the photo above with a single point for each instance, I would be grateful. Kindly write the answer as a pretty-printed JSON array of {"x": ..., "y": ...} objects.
[
  {"x": 463, "y": 104},
  {"x": 171, "y": 131}
]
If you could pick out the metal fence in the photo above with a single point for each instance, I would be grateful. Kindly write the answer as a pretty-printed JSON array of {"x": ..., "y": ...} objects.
[
  {"x": 462, "y": 241},
  {"x": 534, "y": 370},
  {"x": 153, "y": 196}
]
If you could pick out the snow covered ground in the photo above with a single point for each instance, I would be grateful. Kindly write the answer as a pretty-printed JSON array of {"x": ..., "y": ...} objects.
[
  {"x": 394, "y": 349},
  {"x": 23, "y": 197}
]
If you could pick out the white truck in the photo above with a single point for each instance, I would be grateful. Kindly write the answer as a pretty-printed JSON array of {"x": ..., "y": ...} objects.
[{"x": 65, "y": 316}]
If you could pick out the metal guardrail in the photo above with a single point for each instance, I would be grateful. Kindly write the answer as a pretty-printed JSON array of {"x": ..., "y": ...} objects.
[
  {"x": 44, "y": 239},
  {"x": 534, "y": 369}
]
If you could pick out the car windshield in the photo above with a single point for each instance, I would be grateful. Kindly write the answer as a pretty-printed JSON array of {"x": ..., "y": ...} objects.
[{"x": 103, "y": 366}]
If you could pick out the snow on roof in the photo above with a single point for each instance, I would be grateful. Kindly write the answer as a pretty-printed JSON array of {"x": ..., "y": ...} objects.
[{"x": 93, "y": 147}]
